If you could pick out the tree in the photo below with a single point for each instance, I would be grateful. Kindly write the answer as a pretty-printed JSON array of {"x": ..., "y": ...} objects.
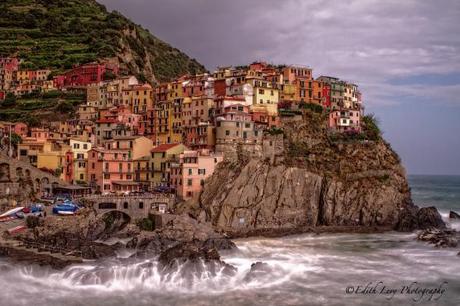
[
  {"x": 109, "y": 75},
  {"x": 10, "y": 100},
  {"x": 15, "y": 139}
]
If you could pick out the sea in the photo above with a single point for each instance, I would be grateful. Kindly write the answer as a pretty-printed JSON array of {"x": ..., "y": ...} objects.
[{"x": 326, "y": 269}]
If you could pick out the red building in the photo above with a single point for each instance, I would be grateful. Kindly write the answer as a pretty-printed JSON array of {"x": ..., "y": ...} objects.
[
  {"x": 326, "y": 94},
  {"x": 2, "y": 95},
  {"x": 9, "y": 63},
  {"x": 220, "y": 88},
  {"x": 88, "y": 74}
]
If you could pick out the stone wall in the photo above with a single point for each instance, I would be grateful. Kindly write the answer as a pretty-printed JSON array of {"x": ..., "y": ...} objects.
[
  {"x": 137, "y": 207},
  {"x": 20, "y": 181}
]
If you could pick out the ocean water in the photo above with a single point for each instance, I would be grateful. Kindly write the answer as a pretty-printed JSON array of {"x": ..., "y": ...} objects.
[{"x": 326, "y": 269}]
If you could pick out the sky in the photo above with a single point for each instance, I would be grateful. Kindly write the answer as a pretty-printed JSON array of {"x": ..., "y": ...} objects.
[{"x": 403, "y": 54}]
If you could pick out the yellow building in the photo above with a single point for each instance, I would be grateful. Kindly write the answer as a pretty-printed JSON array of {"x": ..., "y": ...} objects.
[
  {"x": 139, "y": 98},
  {"x": 80, "y": 150},
  {"x": 159, "y": 162},
  {"x": 53, "y": 157},
  {"x": 142, "y": 171},
  {"x": 266, "y": 98},
  {"x": 168, "y": 109}
]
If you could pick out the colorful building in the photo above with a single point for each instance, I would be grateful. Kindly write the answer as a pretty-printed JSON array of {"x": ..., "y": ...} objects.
[
  {"x": 160, "y": 162},
  {"x": 189, "y": 171}
]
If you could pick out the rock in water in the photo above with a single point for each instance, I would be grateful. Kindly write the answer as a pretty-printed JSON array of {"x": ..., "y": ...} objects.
[
  {"x": 440, "y": 238},
  {"x": 429, "y": 217},
  {"x": 259, "y": 270},
  {"x": 453, "y": 215},
  {"x": 192, "y": 260}
]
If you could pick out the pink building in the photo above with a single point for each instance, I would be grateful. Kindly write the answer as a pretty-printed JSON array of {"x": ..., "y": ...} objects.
[
  {"x": 345, "y": 120},
  {"x": 111, "y": 170},
  {"x": 190, "y": 171},
  {"x": 264, "y": 120}
]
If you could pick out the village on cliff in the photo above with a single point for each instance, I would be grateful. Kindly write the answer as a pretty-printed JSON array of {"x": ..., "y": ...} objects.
[{"x": 132, "y": 137}]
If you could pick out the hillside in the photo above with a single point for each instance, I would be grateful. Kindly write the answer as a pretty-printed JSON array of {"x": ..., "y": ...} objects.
[{"x": 60, "y": 33}]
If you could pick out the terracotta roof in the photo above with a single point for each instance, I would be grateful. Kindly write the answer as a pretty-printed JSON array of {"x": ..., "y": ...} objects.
[{"x": 163, "y": 147}]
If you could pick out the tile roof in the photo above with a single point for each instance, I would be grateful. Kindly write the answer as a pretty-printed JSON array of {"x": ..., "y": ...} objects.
[{"x": 164, "y": 147}]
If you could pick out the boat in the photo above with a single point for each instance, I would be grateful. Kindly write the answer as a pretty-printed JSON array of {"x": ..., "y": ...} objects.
[
  {"x": 16, "y": 229},
  {"x": 65, "y": 213},
  {"x": 11, "y": 212},
  {"x": 8, "y": 218},
  {"x": 67, "y": 206}
]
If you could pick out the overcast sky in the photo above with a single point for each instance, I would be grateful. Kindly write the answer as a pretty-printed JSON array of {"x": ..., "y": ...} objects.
[{"x": 404, "y": 55}]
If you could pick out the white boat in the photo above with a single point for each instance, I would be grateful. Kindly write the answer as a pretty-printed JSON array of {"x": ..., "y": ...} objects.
[
  {"x": 11, "y": 212},
  {"x": 65, "y": 213}
]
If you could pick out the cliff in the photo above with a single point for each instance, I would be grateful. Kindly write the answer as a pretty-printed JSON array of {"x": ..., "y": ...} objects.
[
  {"x": 307, "y": 179},
  {"x": 60, "y": 33}
]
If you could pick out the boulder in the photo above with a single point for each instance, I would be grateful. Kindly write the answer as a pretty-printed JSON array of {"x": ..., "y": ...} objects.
[
  {"x": 453, "y": 215},
  {"x": 259, "y": 270},
  {"x": 429, "y": 217},
  {"x": 191, "y": 260},
  {"x": 179, "y": 229},
  {"x": 439, "y": 237}
]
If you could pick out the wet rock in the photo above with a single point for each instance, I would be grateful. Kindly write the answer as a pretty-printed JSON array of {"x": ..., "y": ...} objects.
[
  {"x": 187, "y": 251},
  {"x": 220, "y": 244},
  {"x": 259, "y": 270},
  {"x": 97, "y": 250},
  {"x": 193, "y": 260},
  {"x": 407, "y": 219},
  {"x": 179, "y": 229},
  {"x": 429, "y": 217},
  {"x": 413, "y": 218},
  {"x": 453, "y": 215},
  {"x": 439, "y": 238}
]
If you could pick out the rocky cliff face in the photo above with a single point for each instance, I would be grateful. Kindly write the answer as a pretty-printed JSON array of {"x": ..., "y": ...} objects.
[{"x": 308, "y": 180}]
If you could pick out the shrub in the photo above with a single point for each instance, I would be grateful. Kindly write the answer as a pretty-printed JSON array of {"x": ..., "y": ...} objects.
[
  {"x": 65, "y": 107},
  {"x": 371, "y": 128},
  {"x": 311, "y": 106},
  {"x": 32, "y": 221},
  {"x": 145, "y": 224},
  {"x": 10, "y": 100}
]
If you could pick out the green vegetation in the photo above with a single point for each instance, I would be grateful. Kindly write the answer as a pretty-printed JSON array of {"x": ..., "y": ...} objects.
[
  {"x": 58, "y": 34},
  {"x": 145, "y": 224},
  {"x": 313, "y": 107},
  {"x": 371, "y": 127},
  {"x": 36, "y": 108},
  {"x": 275, "y": 131},
  {"x": 10, "y": 100}
]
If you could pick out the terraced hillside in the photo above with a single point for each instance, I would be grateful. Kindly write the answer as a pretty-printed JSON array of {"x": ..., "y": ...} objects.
[{"x": 61, "y": 33}]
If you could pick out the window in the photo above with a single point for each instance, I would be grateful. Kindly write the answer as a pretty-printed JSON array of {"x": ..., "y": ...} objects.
[
  {"x": 81, "y": 176},
  {"x": 125, "y": 205},
  {"x": 141, "y": 205},
  {"x": 107, "y": 205},
  {"x": 189, "y": 182},
  {"x": 227, "y": 132},
  {"x": 85, "y": 146},
  {"x": 190, "y": 171}
]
